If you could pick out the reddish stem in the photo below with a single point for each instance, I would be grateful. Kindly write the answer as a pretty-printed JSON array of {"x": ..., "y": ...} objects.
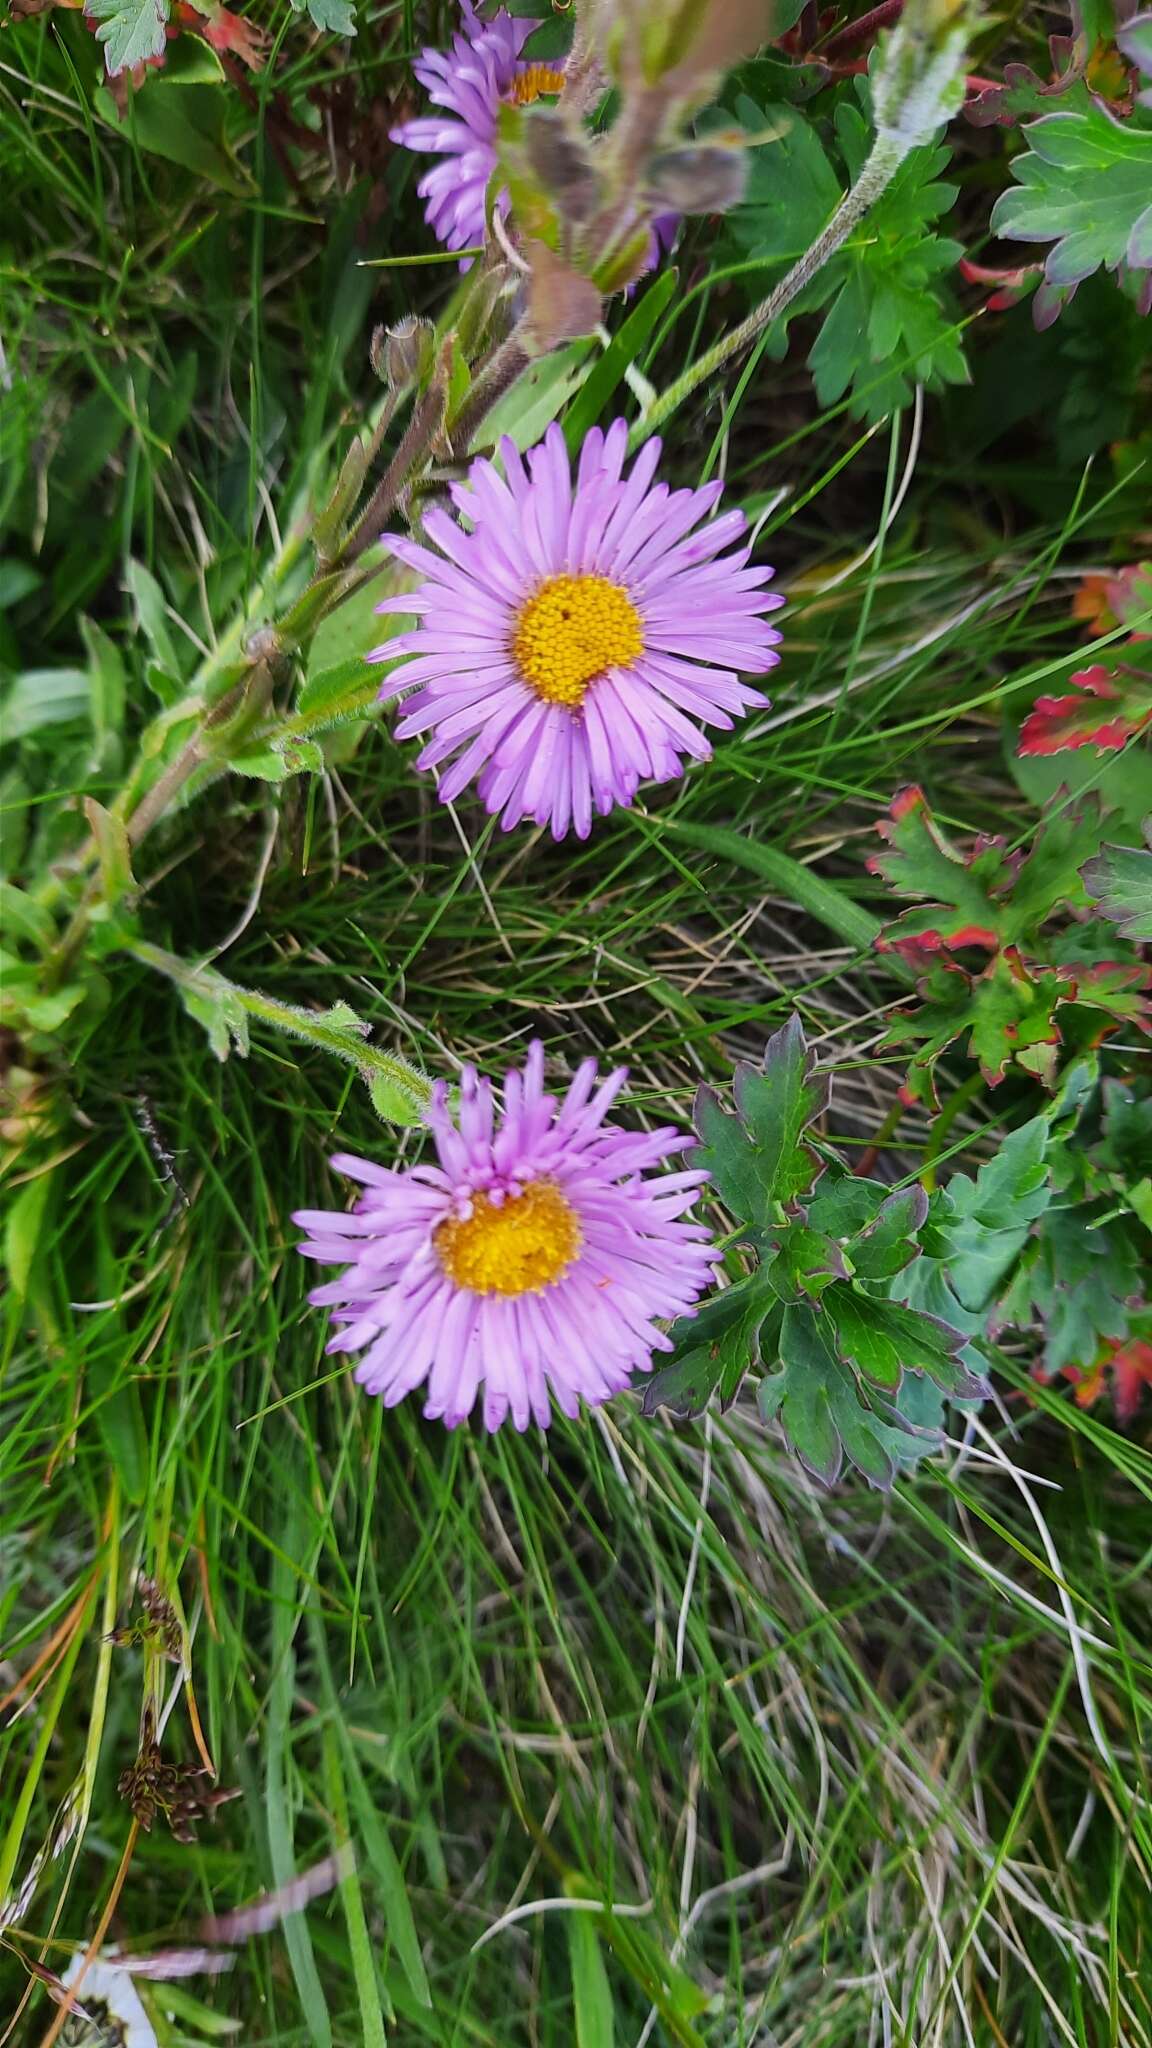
[{"x": 868, "y": 25}]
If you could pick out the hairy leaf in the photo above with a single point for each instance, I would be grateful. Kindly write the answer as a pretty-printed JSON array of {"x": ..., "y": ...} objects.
[{"x": 889, "y": 324}]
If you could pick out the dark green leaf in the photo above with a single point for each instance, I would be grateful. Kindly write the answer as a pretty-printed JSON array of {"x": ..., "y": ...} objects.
[
  {"x": 802, "y": 1403},
  {"x": 884, "y": 1339},
  {"x": 713, "y": 1349},
  {"x": 727, "y": 1152},
  {"x": 845, "y": 1206},
  {"x": 888, "y": 1244},
  {"x": 777, "y": 1102},
  {"x": 804, "y": 1263},
  {"x": 819, "y": 1405}
]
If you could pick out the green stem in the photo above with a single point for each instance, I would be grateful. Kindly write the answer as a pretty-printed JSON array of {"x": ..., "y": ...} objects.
[
  {"x": 381, "y": 1070},
  {"x": 790, "y": 878},
  {"x": 937, "y": 1136},
  {"x": 887, "y": 154}
]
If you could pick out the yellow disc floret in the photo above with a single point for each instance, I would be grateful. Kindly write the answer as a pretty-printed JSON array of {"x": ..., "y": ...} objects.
[
  {"x": 571, "y": 632},
  {"x": 539, "y": 81},
  {"x": 517, "y": 1246}
]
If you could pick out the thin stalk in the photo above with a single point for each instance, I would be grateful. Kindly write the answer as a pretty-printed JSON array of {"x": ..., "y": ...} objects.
[
  {"x": 886, "y": 156},
  {"x": 966, "y": 1093},
  {"x": 380, "y": 1069}
]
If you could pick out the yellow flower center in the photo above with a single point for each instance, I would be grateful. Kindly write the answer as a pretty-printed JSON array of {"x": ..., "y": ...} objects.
[
  {"x": 517, "y": 1246},
  {"x": 538, "y": 81},
  {"x": 571, "y": 631}
]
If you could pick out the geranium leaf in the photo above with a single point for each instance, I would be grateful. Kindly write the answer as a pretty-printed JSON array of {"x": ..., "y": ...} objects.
[
  {"x": 1120, "y": 881},
  {"x": 884, "y": 1339},
  {"x": 1079, "y": 1281},
  {"x": 777, "y": 1102},
  {"x": 130, "y": 31},
  {"x": 824, "y": 1415},
  {"x": 1106, "y": 709},
  {"x": 921, "y": 862},
  {"x": 888, "y": 1244},
  {"x": 1084, "y": 184},
  {"x": 804, "y": 1263},
  {"x": 712, "y": 1350},
  {"x": 983, "y": 1223}
]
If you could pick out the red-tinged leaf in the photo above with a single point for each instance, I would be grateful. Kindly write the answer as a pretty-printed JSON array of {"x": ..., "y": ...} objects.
[
  {"x": 1055, "y": 725},
  {"x": 921, "y": 862},
  {"x": 990, "y": 899},
  {"x": 230, "y": 34},
  {"x": 1126, "y": 1365},
  {"x": 1105, "y": 602},
  {"x": 1013, "y": 1018},
  {"x": 1024, "y": 92},
  {"x": 915, "y": 935},
  {"x": 1010, "y": 285},
  {"x": 1007, "y": 1014},
  {"x": 1117, "y": 988}
]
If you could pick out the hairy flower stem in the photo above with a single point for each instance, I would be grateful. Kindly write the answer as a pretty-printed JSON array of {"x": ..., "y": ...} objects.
[
  {"x": 417, "y": 443},
  {"x": 340, "y": 1039},
  {"x": 496, "y": 377},
  {"x": 884, "y": 161}
]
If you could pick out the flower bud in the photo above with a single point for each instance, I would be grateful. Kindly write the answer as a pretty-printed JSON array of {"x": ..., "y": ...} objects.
[
  {"x": 707, "y": 178},
  {"x": 918, "y": 72},
  {"x": 403, "y": 354}
]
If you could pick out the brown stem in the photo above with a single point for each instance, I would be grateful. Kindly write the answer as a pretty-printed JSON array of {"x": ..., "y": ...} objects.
[
  {"x": 93, "y": 1949},
  {"x": 422, "y": 429}
]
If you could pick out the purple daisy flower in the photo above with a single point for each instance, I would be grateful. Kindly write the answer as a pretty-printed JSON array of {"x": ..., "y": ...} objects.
[
  {"x": 533, "y": 1260},
  {"x": 482, "y": 68},
  {"x": 574, "y": 630}
]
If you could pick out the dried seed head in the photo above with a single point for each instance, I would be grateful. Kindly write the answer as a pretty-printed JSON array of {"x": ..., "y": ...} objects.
[
  {"x": 159, "y": 1625},
  {"x": 182, "y": 1793}
]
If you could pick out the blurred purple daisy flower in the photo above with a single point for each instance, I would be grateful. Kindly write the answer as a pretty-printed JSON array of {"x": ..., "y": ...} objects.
[
  {"x": 469, "y": 80},
  {"x": 533, "y": 1261},
  {"x": 574, "y": 630}
]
